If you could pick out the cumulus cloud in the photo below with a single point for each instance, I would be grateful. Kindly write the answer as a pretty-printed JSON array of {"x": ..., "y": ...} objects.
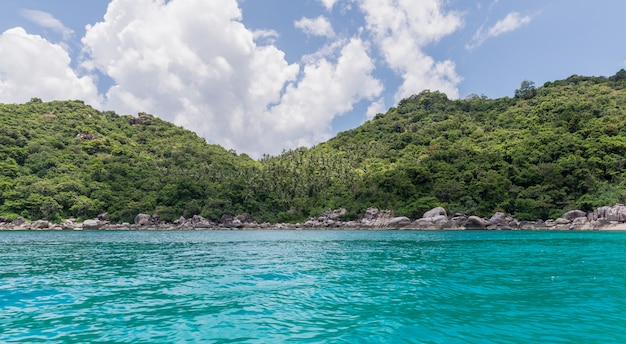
[
  {"x": 511, "y": 22},
  {"x": 46, "y": 20},
  {"x": 194, "y": 63},
  {"x": 33, "y": 67},
  {"x": 326, "y": 89},
  {"x": 329, "y": 4},
  {"x": 401, "y": 29},
  {"x": 375, "y": 108},
  {"x": 319, "y": 26}
]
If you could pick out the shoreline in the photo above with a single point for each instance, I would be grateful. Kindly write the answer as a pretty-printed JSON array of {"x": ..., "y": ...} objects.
[
  {"x": 612, "y": 228},
  {"x": 604, "y": 219}
]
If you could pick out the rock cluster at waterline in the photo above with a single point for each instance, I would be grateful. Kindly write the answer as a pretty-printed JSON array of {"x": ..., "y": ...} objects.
[{"x": 602, "y": 218}]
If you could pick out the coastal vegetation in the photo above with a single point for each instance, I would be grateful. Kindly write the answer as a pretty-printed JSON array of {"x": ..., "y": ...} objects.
[{"x": 545, "y": 150}]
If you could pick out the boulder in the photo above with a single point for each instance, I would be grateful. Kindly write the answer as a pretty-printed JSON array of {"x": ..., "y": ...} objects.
[
  {"x": 616, "y": 213},
  {"x": 180, "y": 222},
  {"x": 70, "y": 224},
  {"x": 226, "y": 218},
  {"x": 435, "y": 212},
  {"x": 40, "y": 224},
  {"x": 92, "y": 224},
  {"x": 339, "y": 213},
  {"x": 440, "y": 222},
  {"x": 334, "y": 214},
  {"x": 498, "y": 218},
  {"x": 311, "y": 223},
  {"x": 197, "y": 219},
  {"x": 18, "y": 222},
  {"x": 199, "y": 222},
  {"x": 457, "y": 221},
  {"x": 437, "y": 222},
  {"x": 475, "y": 222},
  {"x": 423, "y": 223},
  {"x": 574, "y": 214},
  {"x": 143, "y": 220},
  {"x": 371, "y": 213},
  {"x": 527, "y": 225},
  {"x": 398, "y": 222},
  {"x": 581, "y": 223},
  {"x": 235, "y": 223},
  {"x": 375, "y": 218},
  {"x": 562, "y": 221},
  {"x": 244, "y": 218},
  {"x": 600, "y": 223}
]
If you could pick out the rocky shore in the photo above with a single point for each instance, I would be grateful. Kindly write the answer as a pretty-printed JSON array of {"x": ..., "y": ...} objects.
[{"x": 603, "y": 218}]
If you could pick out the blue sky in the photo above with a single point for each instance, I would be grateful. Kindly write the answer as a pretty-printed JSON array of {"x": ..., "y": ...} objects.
[{"x": 260, "y": 76}]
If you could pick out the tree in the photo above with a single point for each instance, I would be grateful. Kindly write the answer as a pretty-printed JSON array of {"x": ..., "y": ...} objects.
[{"x": 526, "y": 91}]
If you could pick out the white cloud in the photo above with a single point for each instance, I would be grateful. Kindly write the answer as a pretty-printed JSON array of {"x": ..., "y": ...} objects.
[
  {"x": 326, "y": 90},
  {"x": 194, "y": 63},
  {"x": 267, "y": 36},
  {"x": 375, "y": 108},
  {"x": 511, "y": 22},
  {"x": 319, "y": 26},
  {"x": 401, "y": 29},
  {"x": 46, "y": 20},
  {"x": 329, "y": 4},
  {"x": 33, "y": 67}
]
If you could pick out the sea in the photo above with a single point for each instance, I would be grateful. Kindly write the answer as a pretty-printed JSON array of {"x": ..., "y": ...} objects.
[{"x": 326, "y": 286}]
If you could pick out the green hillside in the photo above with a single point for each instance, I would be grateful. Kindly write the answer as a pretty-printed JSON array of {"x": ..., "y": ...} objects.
[
  {"x": 66, "y": 159},
  {"x": 537, "y": 154},
  {"x": 547, "y": 149}
]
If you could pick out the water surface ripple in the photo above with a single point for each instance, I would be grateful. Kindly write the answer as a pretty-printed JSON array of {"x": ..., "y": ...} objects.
[{"x": 313, "y": 287}]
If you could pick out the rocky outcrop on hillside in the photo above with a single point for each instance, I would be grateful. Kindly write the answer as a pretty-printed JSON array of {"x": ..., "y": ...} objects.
[{"x": 608, "y": 217}]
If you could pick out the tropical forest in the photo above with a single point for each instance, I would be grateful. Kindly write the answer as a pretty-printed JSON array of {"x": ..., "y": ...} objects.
[{"x": 542, "y": 151}]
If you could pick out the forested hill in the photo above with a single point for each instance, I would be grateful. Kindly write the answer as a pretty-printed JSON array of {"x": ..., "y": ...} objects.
[
  {"x": 552, "y": 148},
  {"x": 547, "y": 149},
  {"x": 66, "y": 159}
]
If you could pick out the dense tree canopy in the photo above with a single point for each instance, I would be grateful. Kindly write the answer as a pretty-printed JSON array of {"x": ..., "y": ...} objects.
[{"x": 546, "y": 150}]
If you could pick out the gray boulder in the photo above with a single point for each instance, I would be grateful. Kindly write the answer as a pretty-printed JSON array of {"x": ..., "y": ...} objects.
[
  {"x": 199, "y": 222},
  {"x": 143, "y": 220},
  {"x": 398, "y": 222},
  {"x": 475, "y": 222},
  {"x": 435, "y": 212},
  {"x": 574, "y": 214},
  {"x": 70, "y": 224},
  {"x": 18, "y": 222},
  {"x": 562, "y": 221},
  {"x": 40, "y": 224},
  {"x": 527, "y": 225},
  {"x": 498, "y": 218},
  {"x": 371, "y": 213},
  {"x": 235, "y": 223},
  {"x": 436, "y": 222},
  {"x": 616, "y": 213},
  {"x": 244, "y": 218},
  {"x": 92, "y": 224},
  {"x": 440, "y": 222},
  {"x": 581, "y": 223}
]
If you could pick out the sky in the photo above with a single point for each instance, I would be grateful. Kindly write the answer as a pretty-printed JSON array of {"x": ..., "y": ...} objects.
[{"x": 263, "y": 76}]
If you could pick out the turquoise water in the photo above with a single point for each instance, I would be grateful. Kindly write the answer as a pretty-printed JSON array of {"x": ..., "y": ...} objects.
[{"x": 313, "y": 287}]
